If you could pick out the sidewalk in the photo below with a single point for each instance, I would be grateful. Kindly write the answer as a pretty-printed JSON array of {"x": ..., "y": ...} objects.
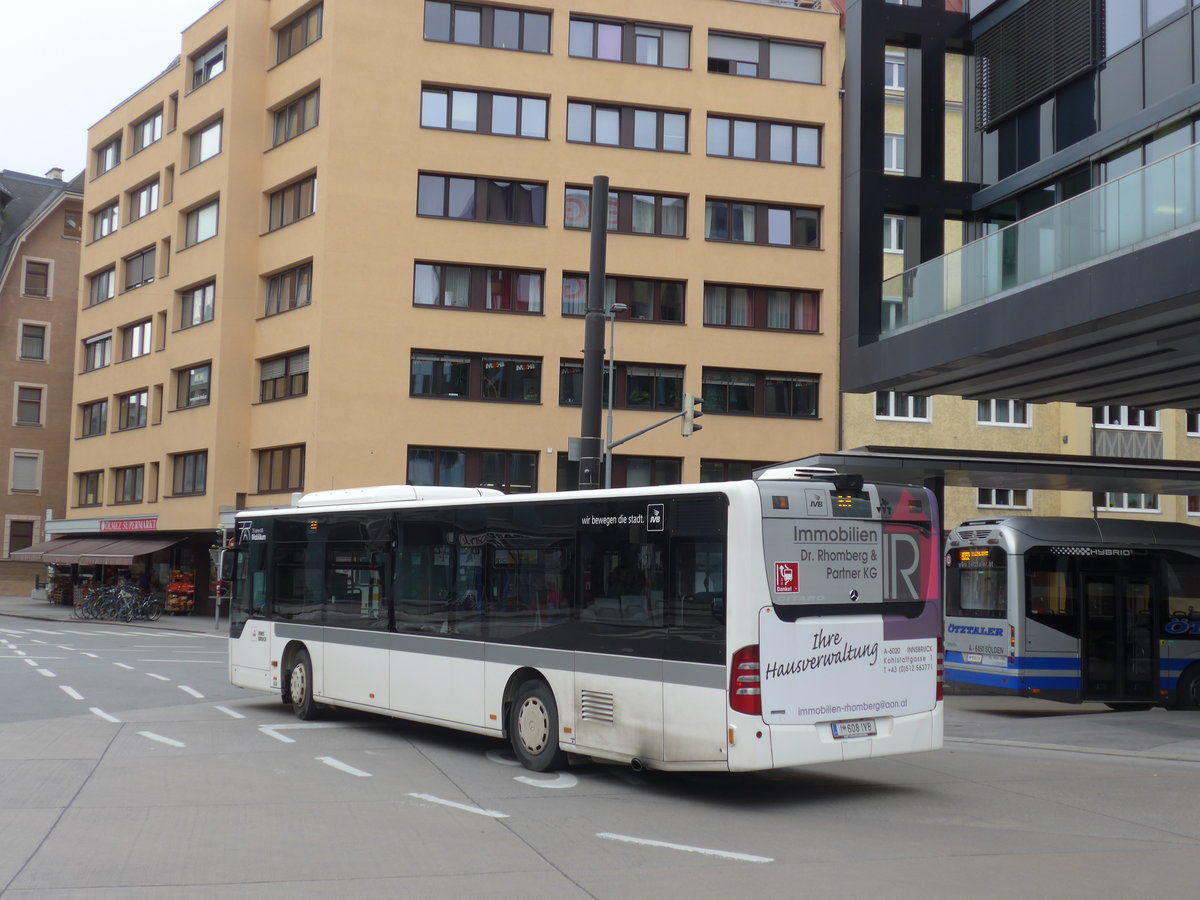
[{"x": 25, "y": 608}]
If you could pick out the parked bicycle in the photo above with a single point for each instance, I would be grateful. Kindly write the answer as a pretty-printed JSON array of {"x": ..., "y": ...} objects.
[{"x": 123, "y": 602}]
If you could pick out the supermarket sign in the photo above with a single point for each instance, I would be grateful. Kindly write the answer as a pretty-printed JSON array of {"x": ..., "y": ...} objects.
[{"x": 149, "y": 523}]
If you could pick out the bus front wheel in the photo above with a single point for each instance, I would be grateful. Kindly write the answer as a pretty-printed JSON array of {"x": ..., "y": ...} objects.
[
  {"x": 533, "y": 728},
  {"x": 1187, "y": 695},
  {"x": 300, "y": 687}
]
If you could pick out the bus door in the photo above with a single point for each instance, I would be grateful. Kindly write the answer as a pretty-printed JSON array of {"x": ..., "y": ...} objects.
[{"x": 1118, "y": 658}]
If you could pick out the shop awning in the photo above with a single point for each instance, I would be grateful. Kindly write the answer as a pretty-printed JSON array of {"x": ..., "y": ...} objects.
[{"x": 92, "y": 551}]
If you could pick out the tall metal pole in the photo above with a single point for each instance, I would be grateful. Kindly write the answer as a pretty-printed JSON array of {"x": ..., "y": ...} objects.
[
  {"x": 612, "y": 376},
  {"x": 591, "y": 444}
]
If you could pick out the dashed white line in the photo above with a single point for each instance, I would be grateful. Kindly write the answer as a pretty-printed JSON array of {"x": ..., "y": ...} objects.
[
  {"x": 105, "y": 716},
  {"x": 159, "y": 677},
  {"x": 162, "y": 740},
  {"x": 44, "y": 631},
  {"x": 273, "y": 730},
  {"x": 491, "y": 813},
  {"x": 230, "y": 712},
  {"x": 92, "y": 655},
  {"x": 342, "y": 767},
  {"x": 32, "y": 662},
  {"x": 123, "y": 666},
  {"x": 70, "y": 692},
  {"x": 724, "y": 854},
  {"x": 187, "y": 690},
  {"x": 19, "y": 652},
  {"x": 46, "y": 672}
]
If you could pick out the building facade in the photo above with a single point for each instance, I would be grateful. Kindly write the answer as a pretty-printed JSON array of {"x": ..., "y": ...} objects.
[
  {"x": 40, "y": 228},
  {"x": 341, "y": 244}
]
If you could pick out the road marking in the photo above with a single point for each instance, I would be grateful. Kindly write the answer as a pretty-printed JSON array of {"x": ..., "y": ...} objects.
[
  {"x": 84, "y": 633},
  {"x": 46, "y": 672},
  {"x": 20, "y": 652},
  {"x": 162, "y": 740},
  {"x": 159, "y": 677},
  {"x": 92, "y": 655},
  {"x": 273, "y": 730},
  {"x": 187, "y": 690},
  {"x": 31, "y": 662},
  {"x": 36, "y": 641},
  {"x": 44, "y": 631},
  {"x": 105, "y": 716},
  {"x": 63, "y": 647},
  {"x": 502, "y": 757},
  {"x": 10, "y": 631},
  {"x": 558, "y": 780},
  {"x": 70, "y": 692},
  {"x": 471, "y": 809},
  {"x": 342, "y": 767},
  {"x": 724, "y": 854},
  {"x": 206, "y": 662},
  {"x": 123, "y": 666},
  {"x": 230, "y": 712}
]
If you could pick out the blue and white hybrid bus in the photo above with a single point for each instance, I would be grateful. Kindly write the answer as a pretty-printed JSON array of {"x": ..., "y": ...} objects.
[
  {"x": 1075, "y": 610},
  {"x": 724, "y": 627}
]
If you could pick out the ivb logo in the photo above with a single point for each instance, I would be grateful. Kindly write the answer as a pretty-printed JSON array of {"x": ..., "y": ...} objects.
[
  {"x": 656, "y": 517},
  {"x": 787, "y": 577}
]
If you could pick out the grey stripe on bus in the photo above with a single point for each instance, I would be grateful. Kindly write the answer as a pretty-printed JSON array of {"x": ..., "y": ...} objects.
[{"x": 636, "y": 667}]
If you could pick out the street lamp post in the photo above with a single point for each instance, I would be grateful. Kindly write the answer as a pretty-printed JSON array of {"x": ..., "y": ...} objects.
[{"x": 611, "y": 312}]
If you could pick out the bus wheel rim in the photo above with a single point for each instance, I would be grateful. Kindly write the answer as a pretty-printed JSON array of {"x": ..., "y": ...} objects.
[
  {"x": 533, "y": 725},
  {"x": 298, "y": 676}
]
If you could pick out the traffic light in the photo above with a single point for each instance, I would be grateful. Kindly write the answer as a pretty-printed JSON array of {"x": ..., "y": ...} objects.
[{"x": 691, "y": 412}]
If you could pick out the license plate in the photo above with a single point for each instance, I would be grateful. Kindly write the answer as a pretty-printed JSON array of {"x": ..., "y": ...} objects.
[
  {"x": 854, "y": 728},
  {"x": 973, "y": 658}
]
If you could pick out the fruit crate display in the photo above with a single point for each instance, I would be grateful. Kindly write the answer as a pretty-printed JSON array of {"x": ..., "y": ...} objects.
[
  {"x": 60, "y": 589},
  {"x": 181, "y": 592}
]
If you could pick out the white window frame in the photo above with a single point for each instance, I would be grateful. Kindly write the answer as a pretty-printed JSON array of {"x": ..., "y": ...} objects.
[
  {"x": 38, "y": 455},
  {"x": 1125, "y": 415},
  {"x": 894, "y": 231},
  {"x": 151, "y": 125},
  {"x": 143, "y": 200},
  {"x": 909, "y": 416},
  {"x": 21, "y": 323},
  {"x": 994, "y": 499},
  {"x": 200, "y": 62},
  {"x": 196, "y": 140},
  {"x": 893, "y": 153},
  {"x": 89, "y": 343},
  {"x": 1192, "y": 419},
  {"x": 198, "y": 212},
  {"x": 1123, "y": 503},
  {"x": 106, "y": 220},
  {"x": 989, "y": 418},
  {"x": 102, "y": 155},
  {"x": 894, "y": 63},
  {"x": 25, "y": 261},
  {"x": 16, "y": 393}
]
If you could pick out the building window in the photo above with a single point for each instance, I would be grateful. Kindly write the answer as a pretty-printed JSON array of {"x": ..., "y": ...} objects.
[
  {"x": 192, "y": 386},
  {"x": 283, "y": 376},
  {"x": 72, "y": 224},
  {"x": 483, "y": 112},
  {"x": 645, "y": 299},
  {"x": 1119, "y": 501},
  {"x": 143, "y": 201},
  {"x": 1002, "y": 412},
  {"x": 208, "y": 63},
  {"x": 197, "y": 304},
  {"x": 772, "y": 309},
  {"x": 635, "y": 386},
  {"x": 204, "y": 144},
  {"x": 630, "y": 42},
  {"x": 1193, "y": 423},
  {"x": 281, "y": 469},
  {"x": 477, "y": 287},
  {"x": 896, "y": 405},
  {"x": 629, "y": 212},
  {"x": 514, "y": 379},
  {"x": 893, "y": 154},
  {"x": 292, "y": 203},
  {"x": 128, "y": 484},
  {"x": 761, "y": 223},
  {"x": 102, "y": 286},
  {"x": 511, "y": 471},
  {"x": 487, "y": 26},
  {"x": 764, "y": 141},
  {"x": 627, "y": 126},
  {"x": 132, "y": 409},
  {"x": 148, "y": 130},
  {"x": 297, "y": 34},
  {"x": 201, "y": 224},
  {"x": 93, "y": 418},
  {"x": 91, "y": 486},
  {"x": 97, "y": 352},
  {"x": 29, "y": 405},
  {"x": 33, "y": 341},
  {"x": 20, "y": 534},
  {"x": 1005, "y": 498},
  {"x": 727, "y": 469},
  {"x": 139, "y": 269},
  {"x": 190, "y": 471},
  {"x": 481, "y": 199},
  {"x": 289, "y": 290},
  {"x": 893, "y": 234},
  {"x": 1133, "y": 418},
  {"x": 297, "y": 117},
  {"x": 36, "y": 282},
  {"x": 764, "y": 58},
  {"x": 893, "y": 72},
  {"x": 105, "y": 221},
  {"x": 135, "y": 340},
  {"x": 26, "y": 472},
  {"x": 108, "y": 155}
]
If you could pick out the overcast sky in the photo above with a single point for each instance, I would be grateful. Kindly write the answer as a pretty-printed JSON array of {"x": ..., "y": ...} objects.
[{"x": 66, "y": 63}]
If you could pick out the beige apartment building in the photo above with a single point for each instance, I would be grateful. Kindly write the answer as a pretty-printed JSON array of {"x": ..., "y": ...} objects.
[
  {"x": 341, "y": 244},
  {"x": 895, "y": 419},
  {"x": 40, "y": 227}
]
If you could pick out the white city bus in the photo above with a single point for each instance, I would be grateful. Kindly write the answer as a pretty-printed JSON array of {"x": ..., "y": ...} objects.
[{"x": 733, "y": 627}]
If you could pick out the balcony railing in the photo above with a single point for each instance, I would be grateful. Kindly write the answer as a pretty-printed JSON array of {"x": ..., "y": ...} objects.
[{"x": 1154, "y": 203}]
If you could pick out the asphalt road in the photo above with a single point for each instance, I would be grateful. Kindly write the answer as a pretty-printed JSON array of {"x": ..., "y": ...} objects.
[{"x": 139, "y": 788}]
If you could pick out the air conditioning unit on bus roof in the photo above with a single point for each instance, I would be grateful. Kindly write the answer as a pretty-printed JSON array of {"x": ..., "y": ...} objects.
[
  {"x": 391, "y": 493},
  {"x": 792, "y": 473}
]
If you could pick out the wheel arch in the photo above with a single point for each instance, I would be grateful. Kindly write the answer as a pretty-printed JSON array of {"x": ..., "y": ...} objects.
[
  {"x": 287, "y": 659},
  {"x": 518, "y": 678}
]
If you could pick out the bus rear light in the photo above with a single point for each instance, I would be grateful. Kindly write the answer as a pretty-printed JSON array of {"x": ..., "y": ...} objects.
[
  {"x": 745, "y": 694},
  {"x": 941, "y": 669},
  {"x": 1012, "y": 645}
]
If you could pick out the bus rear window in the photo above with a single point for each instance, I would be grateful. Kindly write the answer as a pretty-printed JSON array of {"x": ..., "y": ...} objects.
[{"x": 977, "y": 582}]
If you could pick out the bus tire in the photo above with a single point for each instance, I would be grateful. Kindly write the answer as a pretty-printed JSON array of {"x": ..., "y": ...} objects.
[
  {"x": 533, "y": 728},
  {"x": 300, "y": 687},
  {"x": 1187, "y": 694}
]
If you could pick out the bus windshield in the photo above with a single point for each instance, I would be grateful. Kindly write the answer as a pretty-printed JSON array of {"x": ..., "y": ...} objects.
[{"x": 977, "y": 582}]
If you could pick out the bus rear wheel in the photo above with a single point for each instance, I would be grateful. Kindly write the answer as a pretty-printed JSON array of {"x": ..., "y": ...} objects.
[
  {"x": 300, "y": 690},
  {"x": 1187, "y": 695},
  {"x": 533, "y": 728}
]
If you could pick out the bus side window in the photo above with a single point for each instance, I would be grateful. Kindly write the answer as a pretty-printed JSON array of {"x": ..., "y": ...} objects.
[{"x": 696, "y": 600}]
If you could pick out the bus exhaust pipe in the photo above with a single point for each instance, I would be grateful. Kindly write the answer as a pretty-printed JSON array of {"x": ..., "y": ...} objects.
[{"x": 636, "y": 765}]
